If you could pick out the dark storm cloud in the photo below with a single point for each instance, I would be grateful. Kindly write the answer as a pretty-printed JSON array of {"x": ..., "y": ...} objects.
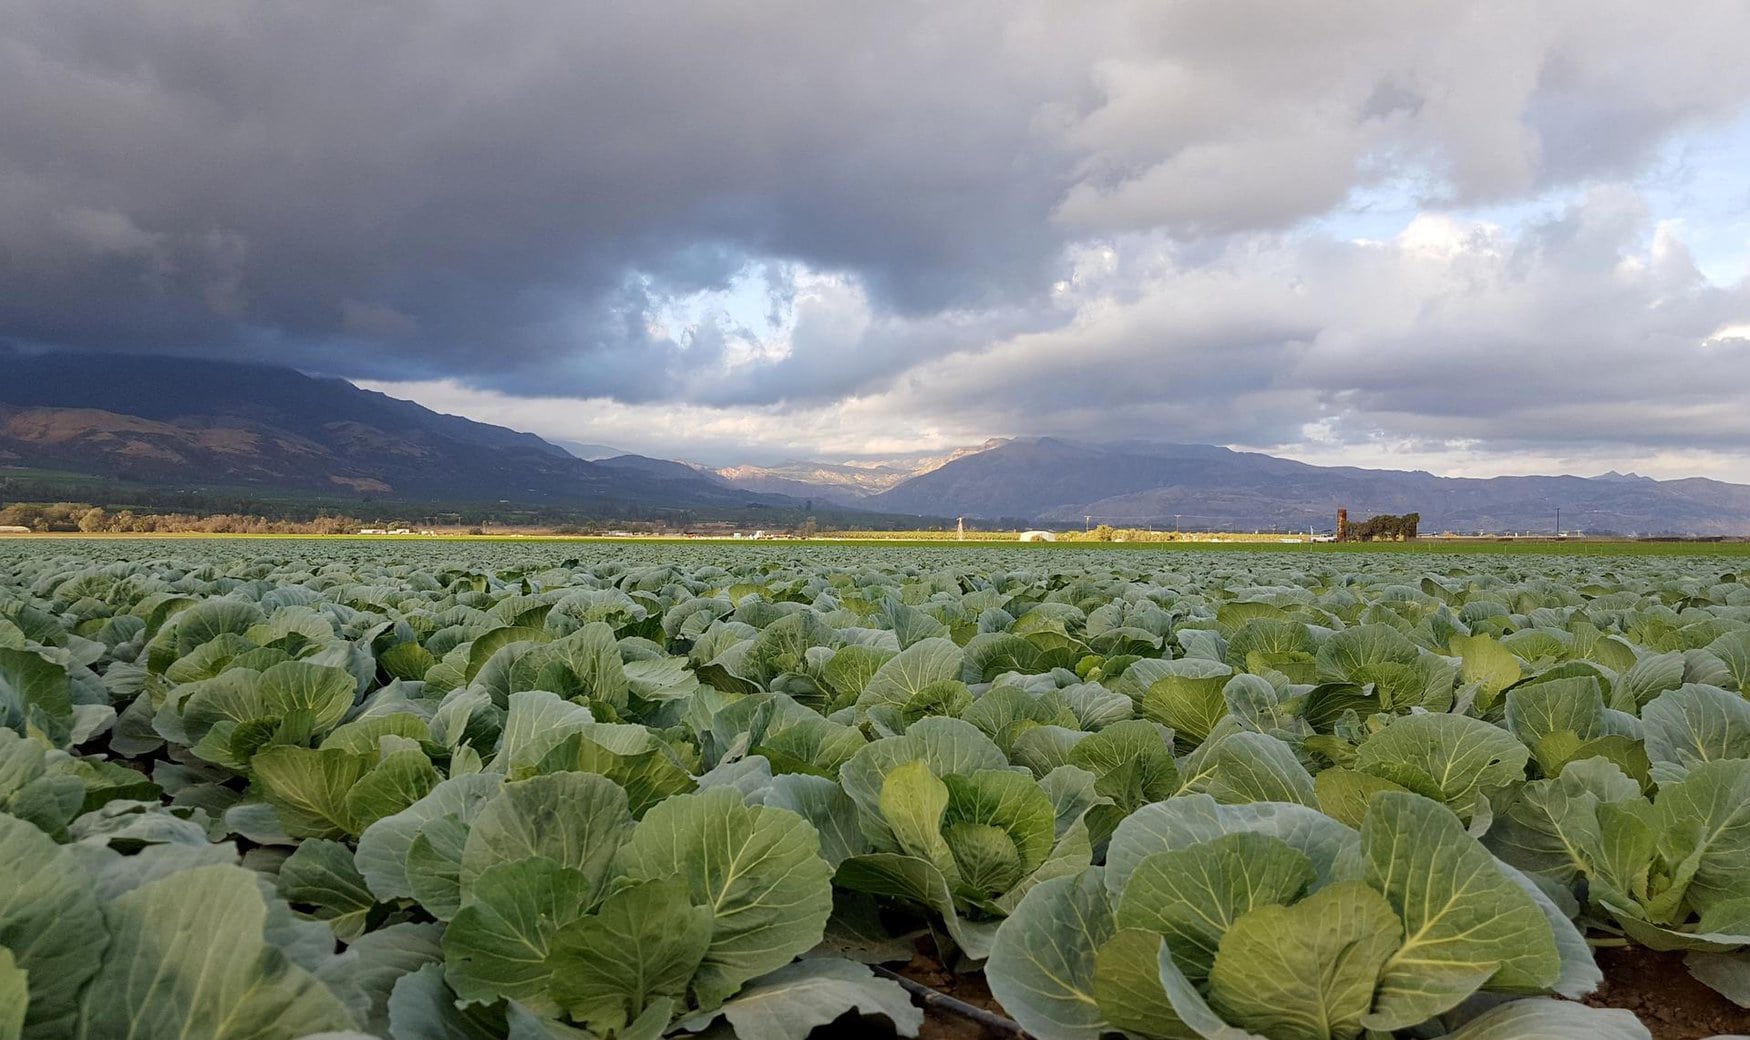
[
  {"x": 481, "y": 189},
  {"x": 511, "y": 196}
]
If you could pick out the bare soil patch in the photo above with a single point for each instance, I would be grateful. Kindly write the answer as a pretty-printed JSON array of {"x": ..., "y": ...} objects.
[{"x": 1664, "y": 996}]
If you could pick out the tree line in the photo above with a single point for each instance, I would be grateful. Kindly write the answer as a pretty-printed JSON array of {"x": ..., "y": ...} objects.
[
  {"x": 83, "y": 517},
  {"x": 1385, "y": 528}
]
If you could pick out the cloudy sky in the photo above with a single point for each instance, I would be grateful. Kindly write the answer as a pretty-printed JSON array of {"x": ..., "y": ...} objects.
[{"x": 1474, "y": 238}]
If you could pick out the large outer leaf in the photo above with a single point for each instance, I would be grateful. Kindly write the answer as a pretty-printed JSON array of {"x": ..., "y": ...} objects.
[
  {"x": 912, "y": 803},
  {"x": 497, "y": 945},
  {"x": 914, "y": 668},
  {"x": 34, "y": 692},
  {"x": 1646, "y": 679},
  {"x": 1248, "y": 767},
  {"x": 421, "y": 1007},
  {"x": 643, "y": 945},
  {"x": 50, "y": 922},
  {"x": 365, "y": 975},
  {"x": 383, "y": 847},
  {"x": 434, "y": 865},
  {"x": 400, "y": 779},
  {"x": 1556, "y": 712},
  {"x": 825, "y": 806},
  {"x": 31, "y": 791},
  {"x": 326, "y": 693},
  {"x": 308, "y": 788},
  {"x": 535, "y": 723},
  {"x": 1733, "y": 649},
  {"x": 1349, "y": 655},
  {"x": 188, "y": 958},
  {"x": 1552, "y": 829},
  {"x": 1179, "y": 822},
  {"x": 1694, "y": 724},
  {"x": 577, "y": 820},
  {"x": 1486, "y": 662},
  {"x": 1580, "y": 974},
  {"x": 1127, "y": 987},
  {"x": 1042, "y": 966},
  {"x": 945, "y": 745},
  {"x": 1307, "y": 971},
  {"x": 1452, "y": 759},
  {"x": 1188, "y": 697},
  {"x": 321, "y": 875},
  {"x": 1344, "y": 793},
  {"x": 14, "y": 996},
  {"x": 1727, "y": 974},
  {"x": 916, "y": 880},
  {"x": 1703, "y": 822},
  {"x": 1192, "y": 896},
  {"x": 757, "y": 868},
  {"x": 1465, "y": 922},
  {"x": 793, "y": 1001},
  {"x": 1546, "y": 1019}
]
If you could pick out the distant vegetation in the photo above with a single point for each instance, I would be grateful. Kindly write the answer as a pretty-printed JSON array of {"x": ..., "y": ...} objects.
[
  {"x": 1384, "y": 528},
  {"x": 89, "y": 519}
]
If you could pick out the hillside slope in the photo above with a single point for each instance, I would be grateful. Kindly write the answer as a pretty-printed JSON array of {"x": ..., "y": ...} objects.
[
  {"x": 1200, "y": 486},
  {"x": 156, "y": 421},
  {"x": 847, "y": 482}
]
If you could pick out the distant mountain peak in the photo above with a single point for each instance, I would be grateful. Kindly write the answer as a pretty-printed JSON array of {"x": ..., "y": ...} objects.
[
  {"x": 848, "y": 481},
  {"x": 589, "y": 452},
  {"x": 1140, "y": 483},
  {"x": 247, "y": 429}
]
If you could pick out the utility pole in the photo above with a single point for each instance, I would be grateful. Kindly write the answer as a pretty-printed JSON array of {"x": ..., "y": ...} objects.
[
  {"x": 960, "y": 530},
  {"x": 1087, "y": 523},
  {"x": 1558, "y": 521}
]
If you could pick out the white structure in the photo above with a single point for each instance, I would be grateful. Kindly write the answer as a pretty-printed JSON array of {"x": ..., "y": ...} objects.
[{"x": 1038, "y": 536}]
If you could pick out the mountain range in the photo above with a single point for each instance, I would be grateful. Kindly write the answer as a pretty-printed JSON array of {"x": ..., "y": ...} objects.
[
  {"x": 156, "y": 422},
  {"x": 1198, "y": 486},
  {"x": 851, "y": 482},
  {"x": 227, "y": 428}
]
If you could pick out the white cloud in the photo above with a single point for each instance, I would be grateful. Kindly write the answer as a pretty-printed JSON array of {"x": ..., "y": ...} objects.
[{"x": 1585, "y": 341}]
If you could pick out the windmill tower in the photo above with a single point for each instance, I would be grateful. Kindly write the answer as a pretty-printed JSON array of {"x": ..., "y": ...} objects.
[{"x": 960, "y": 529}]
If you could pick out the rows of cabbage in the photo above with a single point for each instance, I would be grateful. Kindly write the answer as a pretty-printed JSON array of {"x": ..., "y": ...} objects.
[{"x": 1217, "y": 796}]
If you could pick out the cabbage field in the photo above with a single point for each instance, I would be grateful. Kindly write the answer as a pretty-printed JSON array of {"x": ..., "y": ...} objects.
[{"x": 425, "y": 791}]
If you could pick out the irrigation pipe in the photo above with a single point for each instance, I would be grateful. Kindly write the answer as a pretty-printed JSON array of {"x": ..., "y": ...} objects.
[{"x": 934, "y": 998}]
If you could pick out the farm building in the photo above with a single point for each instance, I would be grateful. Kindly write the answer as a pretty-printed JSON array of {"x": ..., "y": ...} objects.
[{"x": 1038, "y": 536}]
